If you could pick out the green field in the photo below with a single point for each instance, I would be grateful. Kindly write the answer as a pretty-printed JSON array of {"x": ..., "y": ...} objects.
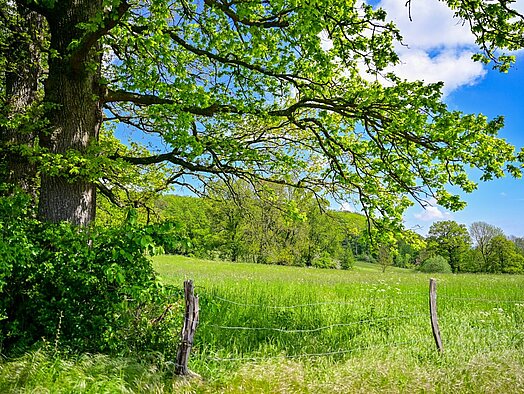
[{"x": 287, "y": 329}]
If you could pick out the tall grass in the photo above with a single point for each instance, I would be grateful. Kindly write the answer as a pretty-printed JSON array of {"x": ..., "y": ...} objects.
[
  {"x": 311, "y": 317},
  {"x": 286, "y": 329}
]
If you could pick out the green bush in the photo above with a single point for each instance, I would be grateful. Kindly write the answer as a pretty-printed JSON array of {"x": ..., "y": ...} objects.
[
  {"x": 514, "y": 265},
  {"x": 325, "y": 261},
  {"x": 436, "y": 264},
  {"x": 81, "y": 289}
]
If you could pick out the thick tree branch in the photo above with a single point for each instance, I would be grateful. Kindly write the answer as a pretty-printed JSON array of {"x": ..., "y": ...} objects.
[
  {"x": 233, "y": 60},
  {"x": 343, "y": 107},
  {"x": 113, "y": 96},
  {"x": 108, "y": 193},
  {"x": 111, "y": 19},
  {"x": 171, "y": 158},
  {"x": 222, "y": 170}
]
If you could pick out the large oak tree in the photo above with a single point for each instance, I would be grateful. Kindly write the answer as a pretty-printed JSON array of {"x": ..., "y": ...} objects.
[{"x": 241, "y": 88}]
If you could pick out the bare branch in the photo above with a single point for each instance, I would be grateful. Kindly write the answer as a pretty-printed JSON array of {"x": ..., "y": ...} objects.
[{"x": 276, "y": 20}]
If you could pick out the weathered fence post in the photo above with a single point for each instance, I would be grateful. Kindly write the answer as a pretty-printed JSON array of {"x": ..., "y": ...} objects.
[
  {"x": 188, "y": 330},
  {"x": 433, "y": 313}
]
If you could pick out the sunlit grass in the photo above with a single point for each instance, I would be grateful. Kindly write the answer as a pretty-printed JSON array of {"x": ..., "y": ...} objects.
[
  {"x": 47, "y": 372},
  {"x": 368, "y": 313},
  {"x": 314, "y": 331}
]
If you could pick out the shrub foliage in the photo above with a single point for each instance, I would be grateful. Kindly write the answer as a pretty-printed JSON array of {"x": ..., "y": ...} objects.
[
  {"x": 437, "y": 264},
  {"x": 83, "y": 289}
]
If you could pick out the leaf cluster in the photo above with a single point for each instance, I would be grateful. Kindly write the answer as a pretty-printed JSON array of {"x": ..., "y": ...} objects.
[
  {"x": 81, "y": 289},
  {"x": 497, "y": 25}
]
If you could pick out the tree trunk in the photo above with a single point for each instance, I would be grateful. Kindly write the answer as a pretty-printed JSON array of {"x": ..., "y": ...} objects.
[
  {"x": 23, "y": 58},
  {"x": 75, "y": 115}
]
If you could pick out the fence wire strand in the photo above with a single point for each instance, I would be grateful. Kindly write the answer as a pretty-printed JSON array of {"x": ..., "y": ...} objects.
[
  {"x": 282, "y": 306},
  {"x": 493, "y": 300},
  {"x": 292, "y": 331},
  {"x": 323, "y": 354},
  {"x": 498, "y": 331},
  {"x": 441, "y": 294}
]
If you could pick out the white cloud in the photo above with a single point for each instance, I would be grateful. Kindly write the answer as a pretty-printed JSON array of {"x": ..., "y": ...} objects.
[
  {"x": 454, "y": 67},
  {"x": 431, "y": 213},
  {"x": 347, "y": 207},
  {"x": 436, "y": 46},
  {"x": 432, "y": 24}
]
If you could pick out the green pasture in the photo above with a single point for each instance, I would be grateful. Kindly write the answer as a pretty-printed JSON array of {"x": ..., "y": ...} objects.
[
  {"x": 325, "y": 320},
  {"x": 276, "y": 329}
]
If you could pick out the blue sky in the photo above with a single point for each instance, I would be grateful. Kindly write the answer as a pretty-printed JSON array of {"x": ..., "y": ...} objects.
[
  {"x": 499, "y": 202},
  {"x": 439, "y": 48}
]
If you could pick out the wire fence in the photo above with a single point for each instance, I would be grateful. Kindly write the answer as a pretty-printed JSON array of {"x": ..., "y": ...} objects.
[
  {"x": 308, "y": 355},
  {"x": 294, "y": 331},
  {"x": 281, "y": 306},
  {"x": 473, "y": 299},
  {"x": 417, "y": 317}
]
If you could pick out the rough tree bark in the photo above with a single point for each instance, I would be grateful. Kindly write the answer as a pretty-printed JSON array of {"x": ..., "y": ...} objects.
[
  {"x": 23, "y": 73},
  {"x": 75, "y": 115}
]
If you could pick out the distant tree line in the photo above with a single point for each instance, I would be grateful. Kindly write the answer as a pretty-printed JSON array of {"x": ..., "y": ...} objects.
[
  {"x": 268, "y": 224},
  {"x": 481, "y": 248},
  {"x": 277, "y": 224}
]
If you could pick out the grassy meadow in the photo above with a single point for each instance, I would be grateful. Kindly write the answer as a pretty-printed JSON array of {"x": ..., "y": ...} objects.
[{"x": 275, "y": 329}]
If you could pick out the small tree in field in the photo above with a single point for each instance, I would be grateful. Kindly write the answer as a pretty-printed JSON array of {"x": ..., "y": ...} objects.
[
  {"x": 436, "y": 264},
  {"x": 384, "y": 256}
]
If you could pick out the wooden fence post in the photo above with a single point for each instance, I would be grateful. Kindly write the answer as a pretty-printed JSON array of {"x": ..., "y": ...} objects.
[
  {"x": 188, "y": 330},
  {"x": 433, "y": 313}
]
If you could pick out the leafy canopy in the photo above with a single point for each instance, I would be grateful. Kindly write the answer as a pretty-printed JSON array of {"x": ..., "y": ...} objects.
[{"x": 250, "y": 89}]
